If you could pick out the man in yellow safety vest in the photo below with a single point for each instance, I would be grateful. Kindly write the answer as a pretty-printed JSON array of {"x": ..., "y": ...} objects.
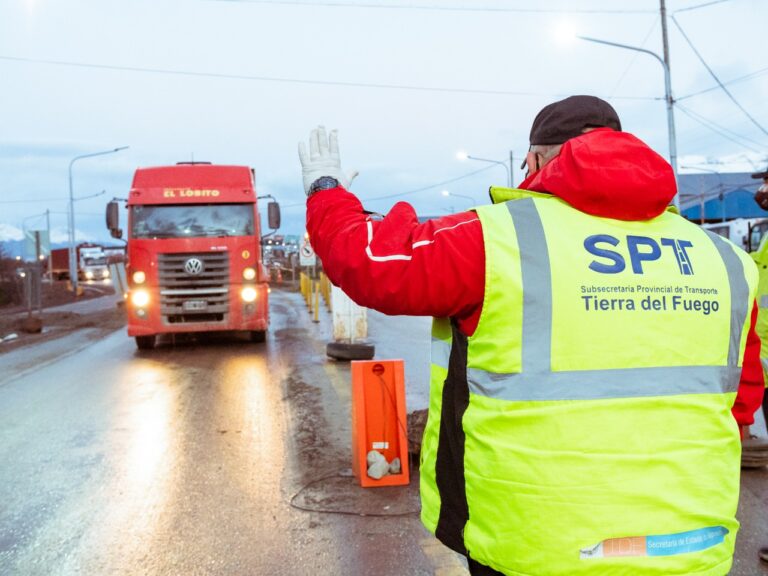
[{"x": 590, "y": 349}]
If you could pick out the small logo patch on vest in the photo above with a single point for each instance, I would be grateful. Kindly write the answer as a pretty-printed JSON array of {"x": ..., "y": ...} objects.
[{"x": 662, "y": 545}]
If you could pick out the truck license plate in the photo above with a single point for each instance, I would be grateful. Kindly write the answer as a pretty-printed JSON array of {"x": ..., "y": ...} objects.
[{"x": 195, "y": 305}]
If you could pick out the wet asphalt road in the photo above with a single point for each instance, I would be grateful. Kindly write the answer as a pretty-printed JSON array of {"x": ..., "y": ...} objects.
[
  {"x": 194, "y": 459},
  {"x": 198, "y": 458}
]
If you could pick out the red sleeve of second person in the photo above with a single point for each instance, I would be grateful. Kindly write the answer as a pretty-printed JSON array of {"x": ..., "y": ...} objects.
[
  {"x": 751, "y": 387},
  {"x": 397, "y": 265}
]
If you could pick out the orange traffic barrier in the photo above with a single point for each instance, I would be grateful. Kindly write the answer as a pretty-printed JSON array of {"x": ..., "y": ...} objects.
[{"x": 378, "y": 420}]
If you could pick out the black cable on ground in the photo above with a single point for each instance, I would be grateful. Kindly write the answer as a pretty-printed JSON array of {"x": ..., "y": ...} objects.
[{"x": 340, "y": 511}]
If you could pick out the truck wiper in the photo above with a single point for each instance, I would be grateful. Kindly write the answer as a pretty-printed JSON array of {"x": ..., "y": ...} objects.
[{"x": 217, "y": 232}]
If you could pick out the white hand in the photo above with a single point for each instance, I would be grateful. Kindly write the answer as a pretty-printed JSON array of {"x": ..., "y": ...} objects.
[{"x": 323, "y": 159}]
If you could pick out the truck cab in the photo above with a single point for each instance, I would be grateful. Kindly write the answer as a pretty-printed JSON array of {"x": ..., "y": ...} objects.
[
  {"x": 193, "y": 255},
  {"x": 92, "y": 264}
]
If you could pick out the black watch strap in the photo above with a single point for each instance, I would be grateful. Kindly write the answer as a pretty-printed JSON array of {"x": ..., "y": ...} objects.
[{"x": 323, "y": 183}]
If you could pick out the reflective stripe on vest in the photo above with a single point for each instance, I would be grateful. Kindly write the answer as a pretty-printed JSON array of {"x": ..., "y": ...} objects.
[
  {"x": 593, "y": 384},
  {"x": 441, "y": 352},
  {"x": 739, "y": 293}
]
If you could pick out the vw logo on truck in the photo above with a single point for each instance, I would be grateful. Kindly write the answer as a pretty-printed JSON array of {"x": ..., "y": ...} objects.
[{"x": 193, "y": 266}]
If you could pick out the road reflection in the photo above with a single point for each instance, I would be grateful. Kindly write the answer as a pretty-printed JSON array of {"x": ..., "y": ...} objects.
[
  {"x": 248, "y": 396},
  {"x": 142, "y": 455},
  {"x": 149, "y": 400}
]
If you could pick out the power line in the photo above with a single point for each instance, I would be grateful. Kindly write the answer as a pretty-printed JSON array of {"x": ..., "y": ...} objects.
[
  {"x": 437, "y": 8},
  {"x": 344, "y": 84},
  {"x": 31, "y": 201},
  {"x": 720, "y": 130},
  {"x": 697, "y": 6},
  {"x": 409, "y": 192},
  {"x": 712, "y": 73},
  {"x": 723, "y": 128},
  {"x": 422, "y": 189},
  {"x": 734, "y": 81},
  {"x": 635, "y": 55}
]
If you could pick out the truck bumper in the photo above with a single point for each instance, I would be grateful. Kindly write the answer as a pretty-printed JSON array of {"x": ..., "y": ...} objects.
[{"x": 249, "y": 316}]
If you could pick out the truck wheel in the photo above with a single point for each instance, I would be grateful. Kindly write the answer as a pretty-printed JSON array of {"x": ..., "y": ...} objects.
[
  {"x": 347, "y": 351},
  {"x": 145, "y": 342},
  {"x": 258, "y": 336}
]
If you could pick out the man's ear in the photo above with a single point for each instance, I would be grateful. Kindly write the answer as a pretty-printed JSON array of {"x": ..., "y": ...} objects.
[{"x": 532, "y": 163}]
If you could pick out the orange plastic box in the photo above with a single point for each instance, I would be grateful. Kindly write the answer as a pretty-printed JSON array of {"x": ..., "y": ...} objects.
[{"x": 378, "y": 419}]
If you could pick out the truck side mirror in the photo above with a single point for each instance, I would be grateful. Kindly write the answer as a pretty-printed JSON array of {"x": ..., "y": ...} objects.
[
  {"x": 113, "y": 220},
  {"x": 273, "y": 215}
]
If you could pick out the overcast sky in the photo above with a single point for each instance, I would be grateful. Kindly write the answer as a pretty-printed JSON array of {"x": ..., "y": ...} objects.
[{"x": 407, "y": 83}]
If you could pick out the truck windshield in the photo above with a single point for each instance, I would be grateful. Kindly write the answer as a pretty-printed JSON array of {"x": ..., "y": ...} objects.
[
  {"x": 88, "y": 261},
  {"x": 192, "y": 221}
]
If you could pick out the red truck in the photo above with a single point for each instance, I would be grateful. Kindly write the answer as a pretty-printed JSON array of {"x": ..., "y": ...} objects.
[{"x": 193, "y": 255}]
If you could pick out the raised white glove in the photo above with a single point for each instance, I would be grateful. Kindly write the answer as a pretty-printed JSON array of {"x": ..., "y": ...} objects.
[{"x": 323, "y": 159}]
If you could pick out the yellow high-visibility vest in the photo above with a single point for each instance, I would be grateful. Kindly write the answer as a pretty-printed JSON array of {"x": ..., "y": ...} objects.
[
  {"x": 760, "y": 256},
  {"x": 585, "y": 427}
]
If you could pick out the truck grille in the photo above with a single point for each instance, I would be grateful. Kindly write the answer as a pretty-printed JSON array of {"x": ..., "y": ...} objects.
[{"x": 194, "y": 287}]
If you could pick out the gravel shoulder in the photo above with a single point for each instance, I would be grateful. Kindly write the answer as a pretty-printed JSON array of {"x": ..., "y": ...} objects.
[{"x": 59, "y": 323}]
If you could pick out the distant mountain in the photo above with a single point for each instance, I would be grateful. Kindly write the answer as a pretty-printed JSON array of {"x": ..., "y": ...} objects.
[
  {"x": 12, "y": 248},
  {"x": 8, "y": 232}
]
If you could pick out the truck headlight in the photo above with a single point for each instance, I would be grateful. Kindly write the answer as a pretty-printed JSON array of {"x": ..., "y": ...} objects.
[
  {"x": 248, "y": 294},
  {"x": 139, "y": 298},
  {"x": 139, "y": 277},
  {"x": 249, "y": 273},
  {"x": 105, "y": 274},
  {"x": 89, "y": 274}
]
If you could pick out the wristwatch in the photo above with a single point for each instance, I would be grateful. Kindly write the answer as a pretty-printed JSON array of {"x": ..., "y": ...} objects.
[{"x": 323, "y": 183}]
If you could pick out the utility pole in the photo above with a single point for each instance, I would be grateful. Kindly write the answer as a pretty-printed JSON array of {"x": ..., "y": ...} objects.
[
  {"x": 668, "y": 90},
  {"x": 48, "y": 227}
]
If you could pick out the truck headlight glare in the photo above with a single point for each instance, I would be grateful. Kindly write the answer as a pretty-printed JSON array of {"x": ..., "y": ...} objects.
[
  {"x": 249, "y": 273},
  {"x": 139, "y": 277},
  {"x": 140, "y": 298},
  {"x": 248, "y": 294},
  {"x": 89, "y": 274}
]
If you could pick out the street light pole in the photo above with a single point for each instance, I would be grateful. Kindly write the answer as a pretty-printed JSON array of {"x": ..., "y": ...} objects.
[
  {"x": 667, "y": 90},
  {"x": 499, "y": 162},
  {"x": 448, "y": 193},
  {"x": 670, "y": 101},
  {"x": 72, "y": 252}
]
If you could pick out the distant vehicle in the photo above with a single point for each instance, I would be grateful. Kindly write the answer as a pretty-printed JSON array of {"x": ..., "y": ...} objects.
[
  {"x": 92, "y": 263},
  {"x": 757, "y": 234},
  {"x": 90, "y": 259},
  {"x": 194, "y": 252},
  {"x": 281, "y": 252},
  {"x": 746, "y": 233}
]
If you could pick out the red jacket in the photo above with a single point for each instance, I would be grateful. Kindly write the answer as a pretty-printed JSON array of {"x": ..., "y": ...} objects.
[{"x": 398, "y": 266}]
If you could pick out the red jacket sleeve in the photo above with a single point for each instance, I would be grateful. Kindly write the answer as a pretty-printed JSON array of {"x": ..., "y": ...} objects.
[
  {"x": 751, "y": 387},
  {"x": 397, "y": 265}
]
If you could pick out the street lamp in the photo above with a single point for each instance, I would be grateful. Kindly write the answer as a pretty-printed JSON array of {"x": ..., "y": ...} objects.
[
  {"x": 448, "y": 193},
  {"x": 667, "y": 95},
  {"x": 464, "y": 156},
  {"x": 72, "y": 256}
]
